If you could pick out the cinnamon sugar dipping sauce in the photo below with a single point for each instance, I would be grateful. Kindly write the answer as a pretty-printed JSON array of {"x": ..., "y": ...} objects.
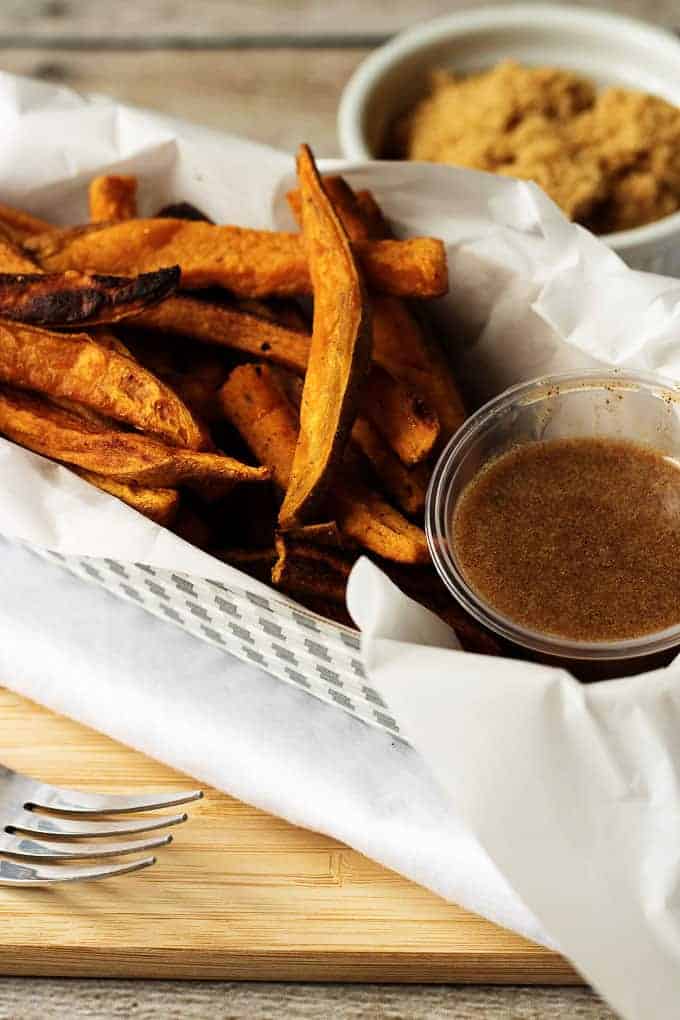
[
  {"x": 575, "y": 537},
  {"x": 554, "y": 516}
]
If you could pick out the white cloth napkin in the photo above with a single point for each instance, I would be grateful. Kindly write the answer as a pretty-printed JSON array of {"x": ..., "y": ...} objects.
[
  {"x": 85, "y": 653},
  {"x": 571, "y": 788},
  {"x": 569, "y": 793}
]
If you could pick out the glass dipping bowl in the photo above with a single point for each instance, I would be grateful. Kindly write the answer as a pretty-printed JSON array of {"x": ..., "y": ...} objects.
[{"x": 604, "y": 404}]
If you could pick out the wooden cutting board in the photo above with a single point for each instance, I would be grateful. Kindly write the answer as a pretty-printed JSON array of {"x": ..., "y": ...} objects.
[{"x": 239, "y": 894}]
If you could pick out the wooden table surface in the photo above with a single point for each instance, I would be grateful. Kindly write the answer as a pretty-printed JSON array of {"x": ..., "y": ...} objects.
[{"x": 272, "y": 70}]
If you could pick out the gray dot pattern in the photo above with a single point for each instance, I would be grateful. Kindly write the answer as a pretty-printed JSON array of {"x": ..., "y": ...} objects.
[{"x": 313, "y": 654}]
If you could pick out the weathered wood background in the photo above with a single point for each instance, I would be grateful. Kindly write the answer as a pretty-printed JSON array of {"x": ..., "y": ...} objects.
[
  {"x": 271, "y": 70},
  {"x": 274, "y": 71}
]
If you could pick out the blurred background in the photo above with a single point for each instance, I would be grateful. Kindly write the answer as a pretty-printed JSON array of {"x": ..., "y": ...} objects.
[{"x": 269, "y": 69}]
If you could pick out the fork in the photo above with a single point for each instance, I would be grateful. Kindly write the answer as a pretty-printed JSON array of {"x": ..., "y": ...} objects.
[{"x": 39, "y": 849}]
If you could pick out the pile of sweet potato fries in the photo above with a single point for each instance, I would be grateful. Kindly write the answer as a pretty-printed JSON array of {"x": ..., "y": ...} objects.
[{"x": 170, "y": 362}]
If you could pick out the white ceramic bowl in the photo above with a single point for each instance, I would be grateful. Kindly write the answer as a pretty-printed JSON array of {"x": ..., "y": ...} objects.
[{"x": 607, "y": 48}]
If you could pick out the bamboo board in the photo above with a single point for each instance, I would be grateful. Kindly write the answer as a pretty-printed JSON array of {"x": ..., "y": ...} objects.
[{"x": 238, "y": 895}]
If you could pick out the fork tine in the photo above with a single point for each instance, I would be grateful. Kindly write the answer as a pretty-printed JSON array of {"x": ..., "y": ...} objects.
[
  {"x": 54, "y": 798},
  {"x": 66, "y": 828},
  {"x": 30, "y": 849},
  {"x": 23, "y": 874}
]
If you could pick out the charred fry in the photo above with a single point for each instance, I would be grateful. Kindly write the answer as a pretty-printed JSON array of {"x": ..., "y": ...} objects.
[
  {"x": 249, "y": 263},
  {"x": 113, "y": 198},
  {"x": 78, "y": 299},
  {"x": 159, "y": 505},
  {"x": 75, "y": 367},
  {"x": 339, "y": 354},
  {"x": 45, "y": 428}
]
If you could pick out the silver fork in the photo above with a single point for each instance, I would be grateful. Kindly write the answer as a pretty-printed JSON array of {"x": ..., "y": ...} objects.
[{"x": 39, "y": 849}]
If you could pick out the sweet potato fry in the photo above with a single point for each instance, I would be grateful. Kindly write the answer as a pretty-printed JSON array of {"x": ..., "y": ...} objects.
[
  {"x": 249, "y": 263},
  {"x": 73, "y": 298},
  {"x": 401, "y": 417},
  {"x": 113, "y": 198},
  {"x": 406, "y": 486},
  {"x": 228, "y": 327},
  {"x": 13, "y": 259},
  {"x": 257, "y": 406},
  {"x": 159, "y": 505},
  {"x": 85, "y": 413},
  {"x": 344, "y": 203},
  {"x": 361, "y": 215},
  {"x": 404, "y": 349},
  {"x": 74, "y": 366},
  {"x": 305, "y": 569},
  {"x": 365, "y": 518},
  {"x": 20, "y": 224},
  {"x": 41, "y": 426},
  {"x": 339, "y": 355},
  {"x": 107, "y": 338},
  {"x": 400, "y": 345},
  {"x": 366, "y": 209}
]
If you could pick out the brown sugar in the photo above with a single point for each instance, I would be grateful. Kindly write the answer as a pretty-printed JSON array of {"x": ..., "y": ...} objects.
[
  {"x": 610, "y": 160},
  {"x": 578, "y": 538}
]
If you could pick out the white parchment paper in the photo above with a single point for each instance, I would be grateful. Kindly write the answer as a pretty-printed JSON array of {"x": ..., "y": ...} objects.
[{"x": 528, "y": 788}]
